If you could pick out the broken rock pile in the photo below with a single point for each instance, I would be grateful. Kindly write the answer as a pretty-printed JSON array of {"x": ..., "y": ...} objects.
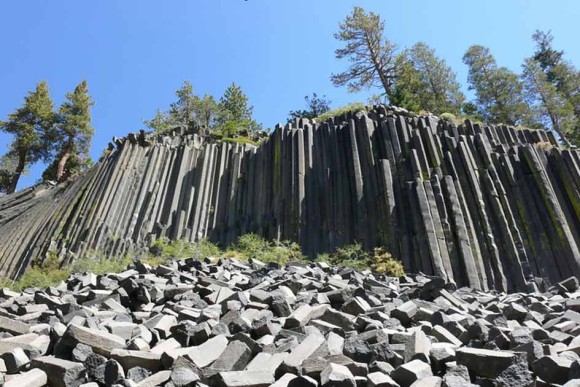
[{"x": 195, "y": 323}]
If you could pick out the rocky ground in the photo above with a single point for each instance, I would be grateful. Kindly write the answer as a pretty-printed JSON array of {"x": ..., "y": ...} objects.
[{"x": 233, "y": 323}]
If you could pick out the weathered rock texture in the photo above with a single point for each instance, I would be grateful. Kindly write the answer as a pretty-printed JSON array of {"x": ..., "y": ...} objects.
[{"x": 487, "y": 207}]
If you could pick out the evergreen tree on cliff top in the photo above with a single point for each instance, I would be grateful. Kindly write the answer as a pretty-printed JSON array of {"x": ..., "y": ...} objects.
[
  {"x": 315, "y": 106},
  {"x": 188, "y": 111},
  {"x": 74, "y": 133},
  {"x": 181, "y": 112},
  {"x": 372, "y": 56},
  {"x": 551, "y": 107},
  {"x": 554, "y": 84},
  {"x": 499, "y": 92},
  {"x": 235, "y": 113},
  {"x": 426, "y": 82},
  {"x": 32, "y": 128}
]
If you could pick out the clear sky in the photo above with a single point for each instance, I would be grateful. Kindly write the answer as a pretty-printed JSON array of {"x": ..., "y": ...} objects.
[{"x": 135, "y": 54}]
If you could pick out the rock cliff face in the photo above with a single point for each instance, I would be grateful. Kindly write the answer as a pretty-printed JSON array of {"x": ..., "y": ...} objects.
[{"x": 483, "y": 206}]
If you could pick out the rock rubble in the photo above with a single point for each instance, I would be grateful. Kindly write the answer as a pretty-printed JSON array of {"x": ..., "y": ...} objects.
[{"x": 232, "y": 323}]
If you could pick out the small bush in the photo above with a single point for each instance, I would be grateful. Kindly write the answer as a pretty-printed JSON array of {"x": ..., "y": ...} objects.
[
  {"x": 282, "y": 253},
  {"x": 354, "y": 256},
  {"x": 251, "y": 246},
  {"x": 383, "y": 262},
  {"x": 179, "y": 249},
  {"x": 255, "y": 247}
]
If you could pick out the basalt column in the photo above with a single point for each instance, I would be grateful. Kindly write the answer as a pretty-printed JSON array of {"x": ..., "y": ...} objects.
[{"x": 490, "y": 207}]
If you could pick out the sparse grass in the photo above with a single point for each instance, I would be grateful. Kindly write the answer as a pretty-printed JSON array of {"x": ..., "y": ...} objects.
[
  {"x": 93, "y": 263},
  {"x": 355, "y": 106},
  {"x": 41, "y": 275},
  {"x": 37, "y": 278}
]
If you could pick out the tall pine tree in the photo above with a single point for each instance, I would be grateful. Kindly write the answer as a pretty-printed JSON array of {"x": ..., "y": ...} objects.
[
  {"x": 560, "y": 80},
  {"x": 553, "y": 110},
  {"x": 235, "y": 112},
  {"x": 373, "y": 57},
  {"x": 499, "y": 92},
  {"x": 32, "y": 129},
  {"x": 426, "y": 82},
  {"x": 74, "y": 131}
]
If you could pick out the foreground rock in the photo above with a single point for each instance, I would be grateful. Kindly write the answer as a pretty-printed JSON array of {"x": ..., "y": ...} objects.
[{"x": 196, "y": 323}]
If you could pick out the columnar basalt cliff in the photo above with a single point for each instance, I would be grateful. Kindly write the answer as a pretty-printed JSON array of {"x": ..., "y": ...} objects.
[{"x": 490, "y": 207}]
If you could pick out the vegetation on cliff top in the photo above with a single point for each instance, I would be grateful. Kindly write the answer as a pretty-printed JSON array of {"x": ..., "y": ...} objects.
[
  {"x": 230, "y": 118},
  {"x": 545, "y": 95}
]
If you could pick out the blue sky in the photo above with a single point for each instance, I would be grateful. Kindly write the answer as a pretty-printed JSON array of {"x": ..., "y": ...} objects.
[{"x": 135, "y": 54}]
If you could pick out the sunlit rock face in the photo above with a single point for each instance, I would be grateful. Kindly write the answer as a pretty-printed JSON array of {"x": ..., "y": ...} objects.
[{"x": 491, "y": 207}]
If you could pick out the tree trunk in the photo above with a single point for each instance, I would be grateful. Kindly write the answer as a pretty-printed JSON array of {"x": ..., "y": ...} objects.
[
  {"x": 378, "y": 67},
  {"x": 17, "y": 173},
  {"x": 62, "y": 163}
]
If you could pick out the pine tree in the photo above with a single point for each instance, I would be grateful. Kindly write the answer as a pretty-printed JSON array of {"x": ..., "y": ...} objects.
[
  {"x": 32, "y": 128},
  {"x": 160, "y": 123},
  {"x": 188, "y": 111},
  {"x": 499, "y": 92},
  {"x": 426, "y": 82},
  {"x": 74, "y": 130},
  {"x": 564, "y": 79},
  {"x": 181, "y": 112},
  {"x": 315, "y": 106},
  {"x": 373, "y": 57},
  {"x": 235, "y": 114},
  {"x": 553, "y": 109},
  {"x": 206, "y": 110}
]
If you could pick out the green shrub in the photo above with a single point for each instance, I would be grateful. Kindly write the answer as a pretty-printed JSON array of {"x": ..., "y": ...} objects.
[
  {"x": 179, "y": 249},
  {"x": 351, "y": 107},
  {"x": 255, "y": 247},
  {"x": 354, "y": 256},
  {"x": 251, "y": 246},
  {"x": 383, "y": 262},
  {"x": 282, "y": 253}
]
